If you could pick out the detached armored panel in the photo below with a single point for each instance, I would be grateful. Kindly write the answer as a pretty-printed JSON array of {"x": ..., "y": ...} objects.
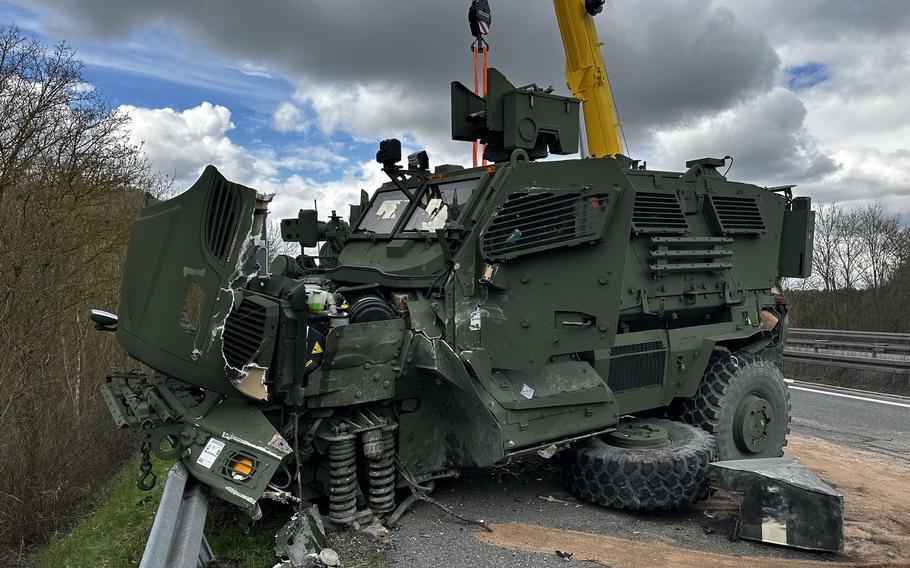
[{"x": 783, "y": 502}]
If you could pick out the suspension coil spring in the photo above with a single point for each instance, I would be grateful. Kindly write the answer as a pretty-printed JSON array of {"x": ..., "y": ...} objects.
[
  {"x": 343, "y": 479},
  {"x": 382, "y": 474}
]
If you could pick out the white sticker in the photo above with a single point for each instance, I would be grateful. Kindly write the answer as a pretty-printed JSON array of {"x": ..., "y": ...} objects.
[
  {"x": 774, "y": 531},
  {"x": 527, "y": 391},
  {"x": 210, "y": 453},
  {"x": 475, "y": 320}
]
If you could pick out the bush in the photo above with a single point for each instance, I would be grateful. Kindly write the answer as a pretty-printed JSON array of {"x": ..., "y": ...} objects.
[{"x": 69, "y": 188}]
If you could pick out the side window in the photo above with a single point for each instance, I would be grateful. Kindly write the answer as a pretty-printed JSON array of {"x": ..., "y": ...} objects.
[{"x": 441, "y": 205}]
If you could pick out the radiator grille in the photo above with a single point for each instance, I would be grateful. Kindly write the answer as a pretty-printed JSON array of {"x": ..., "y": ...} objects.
[
  {"x": 221, "y": 219},
  {"x": 635, "y": 366},
  {"x": 658, "y": 213},
  {"x": 531, "y": 222},
  {"x": 737, "y": 215},
  {"x": 244, "y": 331}
]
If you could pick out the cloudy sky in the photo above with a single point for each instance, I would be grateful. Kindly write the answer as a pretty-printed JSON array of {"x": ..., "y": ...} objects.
[{"x": 291, "y": 96}]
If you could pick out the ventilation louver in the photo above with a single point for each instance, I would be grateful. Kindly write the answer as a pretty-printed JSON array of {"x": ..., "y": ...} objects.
[
  {"x": 243, "y": 334},
  {"x": 737, "y": 215},
  {"x": 636, "y": 366},
  {"x": 658, "y": 213},
  {"x": 533, "y": 222},
  {"x": 220, "y": 219}
]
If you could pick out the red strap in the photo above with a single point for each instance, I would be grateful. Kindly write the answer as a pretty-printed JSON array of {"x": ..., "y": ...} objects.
[
  {"x": 474, "y": 49},
  {"x": 484, "y": 48}
]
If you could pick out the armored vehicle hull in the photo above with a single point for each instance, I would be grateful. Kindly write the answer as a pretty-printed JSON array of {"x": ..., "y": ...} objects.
[{"x": 463, "y": 317}]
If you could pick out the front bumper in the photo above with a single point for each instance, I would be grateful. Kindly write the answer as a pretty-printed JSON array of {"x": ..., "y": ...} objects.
[{"x": 225, "y": 442}]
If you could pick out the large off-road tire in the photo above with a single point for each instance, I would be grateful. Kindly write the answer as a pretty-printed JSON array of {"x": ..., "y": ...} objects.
[
  {"x": 744, "y": 402},
  {"x": 645, "y": 478}
]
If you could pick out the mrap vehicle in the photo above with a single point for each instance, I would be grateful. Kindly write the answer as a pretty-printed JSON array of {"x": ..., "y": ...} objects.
[{"x": 628, "y": 320}]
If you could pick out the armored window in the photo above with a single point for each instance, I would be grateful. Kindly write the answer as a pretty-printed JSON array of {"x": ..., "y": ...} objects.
[
  {"x": 440, "y": 205},
  {"x": 384, "y": 213}
]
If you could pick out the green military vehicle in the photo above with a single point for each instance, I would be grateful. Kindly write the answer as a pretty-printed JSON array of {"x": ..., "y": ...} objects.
[{"x": 626, "y": 319}]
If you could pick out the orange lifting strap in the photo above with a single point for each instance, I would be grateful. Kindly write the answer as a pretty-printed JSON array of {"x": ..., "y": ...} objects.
[{"x": 480, "y": 47}]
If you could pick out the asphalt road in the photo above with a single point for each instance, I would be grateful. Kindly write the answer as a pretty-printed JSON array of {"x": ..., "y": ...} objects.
[
  {"x": 870, "y": 422},
  {"x": 531, "y": 491}
]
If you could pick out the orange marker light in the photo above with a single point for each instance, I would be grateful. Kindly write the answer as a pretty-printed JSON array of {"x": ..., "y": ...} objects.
[{"x": 242, "y": 469}]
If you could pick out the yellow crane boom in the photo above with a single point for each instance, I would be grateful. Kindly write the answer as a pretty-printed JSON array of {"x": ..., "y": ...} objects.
[{"x": 586, "y": 75}]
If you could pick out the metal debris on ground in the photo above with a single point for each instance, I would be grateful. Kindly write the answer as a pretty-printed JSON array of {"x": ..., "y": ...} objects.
[
  {"x": 328, "y": 557},
  {"x": 301, "y": 538},
  {"x": 551, "y": 499},
  {"x": 783, "y": 502}
]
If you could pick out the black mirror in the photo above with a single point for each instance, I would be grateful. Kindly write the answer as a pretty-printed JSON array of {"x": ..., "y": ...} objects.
[{"x": 308, "y": 227}]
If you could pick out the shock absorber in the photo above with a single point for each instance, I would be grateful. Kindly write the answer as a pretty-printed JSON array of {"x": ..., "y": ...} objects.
[
  {"x": 379, "y": 449},
  {"x": 343, "y": 477}
]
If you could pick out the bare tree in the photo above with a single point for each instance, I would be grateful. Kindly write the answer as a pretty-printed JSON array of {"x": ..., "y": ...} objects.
[
  {"x": 877, "y": 233},
  {"x": 275, "y": 245},
  {"x": 848, "y": 250},
  {"x": 824, "y": 255}
]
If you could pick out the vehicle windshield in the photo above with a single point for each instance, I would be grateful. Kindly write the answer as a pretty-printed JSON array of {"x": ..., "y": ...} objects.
[
  {"x": 385, "y": 212},
  {"x": 439, "y": 205}
]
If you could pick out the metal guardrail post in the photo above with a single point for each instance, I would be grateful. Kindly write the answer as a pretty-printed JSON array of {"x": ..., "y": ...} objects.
[{"x": 176, "y": 539}]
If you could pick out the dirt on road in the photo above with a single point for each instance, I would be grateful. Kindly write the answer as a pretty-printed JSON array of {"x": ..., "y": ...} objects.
[{"x": 876, "y": 522}]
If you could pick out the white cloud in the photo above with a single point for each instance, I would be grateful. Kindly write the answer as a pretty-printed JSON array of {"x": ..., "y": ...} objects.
[
  {"x": 766, "y": 135},
  {"x": 691, "y": 78},
  {"x": 298, "y": 192},
  {"x": 288, "y": 118},
  {"x": 179, "y": 143}
]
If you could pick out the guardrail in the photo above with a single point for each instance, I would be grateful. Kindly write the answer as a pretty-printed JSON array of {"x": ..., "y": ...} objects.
[
  {"x": 177, "y": 539},
  {"x": 863, "y": 350}
]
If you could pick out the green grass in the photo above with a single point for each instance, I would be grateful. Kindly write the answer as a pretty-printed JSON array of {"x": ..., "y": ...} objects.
[{"x": 115, "y": 534}]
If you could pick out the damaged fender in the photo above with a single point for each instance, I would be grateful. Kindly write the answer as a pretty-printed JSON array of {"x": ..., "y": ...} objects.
[{"x": 179, "y": 310}]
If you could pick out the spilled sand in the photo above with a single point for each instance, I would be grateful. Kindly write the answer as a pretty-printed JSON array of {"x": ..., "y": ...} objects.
[{"x": 876, "y": 522}]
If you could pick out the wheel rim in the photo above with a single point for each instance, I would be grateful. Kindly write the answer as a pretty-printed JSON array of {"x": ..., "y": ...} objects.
[
  {"x": 752, "y": 424},
  {"x": 638, "y": 435}
]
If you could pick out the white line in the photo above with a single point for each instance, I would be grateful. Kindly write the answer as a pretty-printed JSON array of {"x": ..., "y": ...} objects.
[{"x": 888, "y": 402}]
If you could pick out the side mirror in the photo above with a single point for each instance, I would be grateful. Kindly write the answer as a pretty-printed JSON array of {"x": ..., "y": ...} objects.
[
  {"x": 308, "y": 227},
  {"x": 104, "y": 321}
]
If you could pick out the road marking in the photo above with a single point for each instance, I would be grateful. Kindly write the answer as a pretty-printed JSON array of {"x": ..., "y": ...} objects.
[{"x": 842, "y": 395}]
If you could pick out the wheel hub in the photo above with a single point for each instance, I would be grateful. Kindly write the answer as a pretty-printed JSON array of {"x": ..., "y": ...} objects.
[
  {"x": 752, "y": 424},
  {"x": 638, "y": 436}
]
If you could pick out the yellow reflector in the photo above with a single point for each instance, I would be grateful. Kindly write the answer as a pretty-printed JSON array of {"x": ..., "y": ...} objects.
[{"x": 242, "y": 468}]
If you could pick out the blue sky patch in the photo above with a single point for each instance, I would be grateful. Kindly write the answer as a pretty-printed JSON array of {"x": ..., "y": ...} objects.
[
  {"x": 157, "y": 68},
  {"x": 806, "y": 76}
]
